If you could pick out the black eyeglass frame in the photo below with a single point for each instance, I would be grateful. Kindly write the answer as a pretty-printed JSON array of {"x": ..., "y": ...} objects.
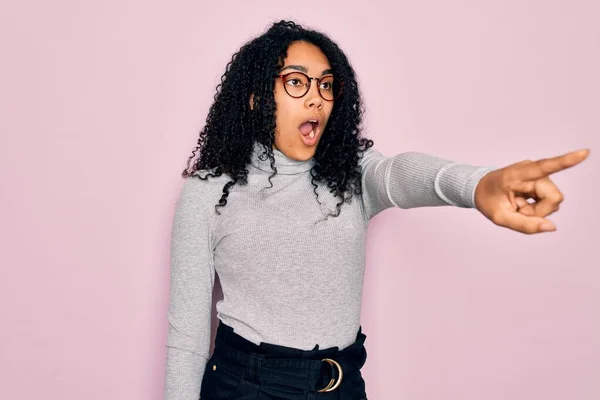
[{"x": 310, "y": 79}]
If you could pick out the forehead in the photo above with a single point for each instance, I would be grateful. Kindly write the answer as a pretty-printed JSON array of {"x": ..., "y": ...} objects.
[{"x": 306, "y": 54}]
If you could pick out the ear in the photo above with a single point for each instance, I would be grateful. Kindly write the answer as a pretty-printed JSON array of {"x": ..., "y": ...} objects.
[{"x": 252, "y": 101}]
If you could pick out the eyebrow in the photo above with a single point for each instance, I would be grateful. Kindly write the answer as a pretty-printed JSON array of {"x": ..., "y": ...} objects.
[{"x": 305, "y": 70}]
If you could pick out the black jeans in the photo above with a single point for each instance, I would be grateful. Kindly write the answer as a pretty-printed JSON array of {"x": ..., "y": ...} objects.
[{"x": 239, "y": 369}]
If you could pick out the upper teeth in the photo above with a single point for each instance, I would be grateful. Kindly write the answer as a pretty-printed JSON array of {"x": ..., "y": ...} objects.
[{"x": 312, "y": 120}]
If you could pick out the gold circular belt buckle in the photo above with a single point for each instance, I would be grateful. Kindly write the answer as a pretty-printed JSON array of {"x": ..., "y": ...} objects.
[{"x": 332, "y": 383}]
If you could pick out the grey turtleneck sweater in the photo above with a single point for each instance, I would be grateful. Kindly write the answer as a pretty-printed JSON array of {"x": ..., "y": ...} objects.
[{"x": 289, "y": 275}]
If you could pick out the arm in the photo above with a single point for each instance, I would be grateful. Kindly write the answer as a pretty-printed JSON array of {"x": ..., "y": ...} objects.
[
  {"x": 192, "y": 280},
  {"x": 413, "y": 179}
]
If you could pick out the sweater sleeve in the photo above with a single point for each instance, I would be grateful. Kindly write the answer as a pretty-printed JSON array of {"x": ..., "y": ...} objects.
[
  {"x": 190, "y": 302},
  {"x": 413, "y": 179}
]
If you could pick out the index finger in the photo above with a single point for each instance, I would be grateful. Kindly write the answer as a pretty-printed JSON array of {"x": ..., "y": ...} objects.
[{"x": 544, "y": 167}]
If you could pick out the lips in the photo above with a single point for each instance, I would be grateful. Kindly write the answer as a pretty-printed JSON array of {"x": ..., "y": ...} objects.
[
  {"x": 310, "y": 126},
  {"x": 310, "y": 129}
]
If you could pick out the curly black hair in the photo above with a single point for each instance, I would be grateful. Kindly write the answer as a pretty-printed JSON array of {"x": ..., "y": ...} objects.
[{"x": 226, "y": 143}]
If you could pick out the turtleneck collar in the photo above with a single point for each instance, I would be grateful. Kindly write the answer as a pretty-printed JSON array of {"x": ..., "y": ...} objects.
[{"x": 284, "y": 165}]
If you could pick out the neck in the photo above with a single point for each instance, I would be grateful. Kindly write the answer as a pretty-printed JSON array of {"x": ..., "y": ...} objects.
[{"x": 284, "y": 164}]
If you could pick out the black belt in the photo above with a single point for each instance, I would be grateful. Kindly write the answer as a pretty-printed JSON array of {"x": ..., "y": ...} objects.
[{"x": 319, "y": 370}]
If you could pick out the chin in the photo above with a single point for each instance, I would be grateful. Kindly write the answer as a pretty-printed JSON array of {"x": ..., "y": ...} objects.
[{"x": 301, "y": 154}]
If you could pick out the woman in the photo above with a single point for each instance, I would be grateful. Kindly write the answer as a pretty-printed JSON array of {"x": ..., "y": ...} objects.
[{"x": 277, "y": 201}]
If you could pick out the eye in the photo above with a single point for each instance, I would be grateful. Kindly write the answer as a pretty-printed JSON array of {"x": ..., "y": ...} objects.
[
  {"x": 294, "y": 82},
  {"x": 326, "y": 85}
]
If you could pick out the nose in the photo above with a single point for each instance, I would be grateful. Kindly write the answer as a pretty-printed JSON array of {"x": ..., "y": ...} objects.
[{"x": 313, "y": 97}]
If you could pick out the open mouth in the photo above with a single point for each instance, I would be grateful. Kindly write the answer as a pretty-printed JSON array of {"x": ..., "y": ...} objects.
[{"x": 309, "y": 129}]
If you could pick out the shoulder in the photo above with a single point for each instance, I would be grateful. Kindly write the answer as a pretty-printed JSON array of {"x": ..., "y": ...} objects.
[
  {"x": 206, "y": 180},
  {"x": 370, "y": 156},
  {"x": 201, "y": 187}
]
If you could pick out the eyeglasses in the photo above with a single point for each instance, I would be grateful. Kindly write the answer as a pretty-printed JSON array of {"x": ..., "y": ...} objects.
[{"x": 297, "y": 84}]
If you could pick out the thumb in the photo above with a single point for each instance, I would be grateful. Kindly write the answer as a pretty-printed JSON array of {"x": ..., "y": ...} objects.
[{"x": 526, "y": 224}]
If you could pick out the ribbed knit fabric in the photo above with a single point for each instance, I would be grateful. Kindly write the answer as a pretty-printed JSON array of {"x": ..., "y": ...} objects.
[{"x": 289, "y": 275}]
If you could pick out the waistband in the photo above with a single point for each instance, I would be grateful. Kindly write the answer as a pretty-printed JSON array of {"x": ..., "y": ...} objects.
[{"x": 301, "y": 369}]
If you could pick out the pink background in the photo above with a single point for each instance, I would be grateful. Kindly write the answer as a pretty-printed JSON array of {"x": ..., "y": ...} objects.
[{"x": 101, "y": 103}]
